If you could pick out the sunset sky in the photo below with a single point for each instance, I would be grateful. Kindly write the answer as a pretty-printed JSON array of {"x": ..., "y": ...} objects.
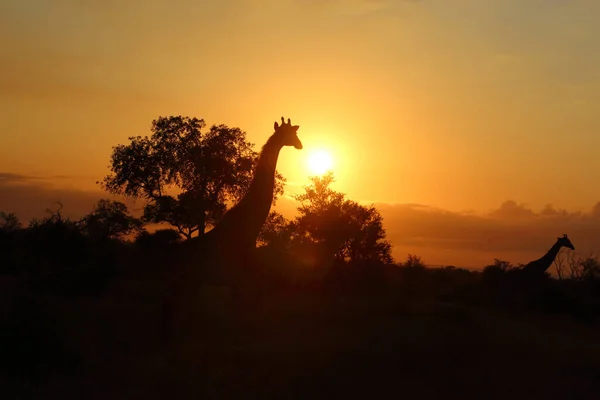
[{"x": 473, "y": 124}]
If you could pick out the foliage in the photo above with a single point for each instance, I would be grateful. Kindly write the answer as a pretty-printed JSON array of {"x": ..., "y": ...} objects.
[
  {"x": 9, "y": 222},
  {"x": 573, "y": 267},
  {"x": 53, "y": 243},
  {"x": 54, "y": 219},
  {"x": 343, "y": 228},
  {"x": 61, "y": 255},
  {"x": 413, "y": 261},
  {"x": 276, "y": 232},
  {"x": 60, "y": 260},
  {"x": 158, "y": 239},
  {"x": 498, "y": 268},
  {"x": 207, "y": 170},
  {"x": 10, "y": 233},
  {"x": 109, "y": 220}
]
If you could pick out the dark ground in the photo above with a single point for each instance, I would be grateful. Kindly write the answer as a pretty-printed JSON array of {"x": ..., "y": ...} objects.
[{"x": 306, "y": 344}]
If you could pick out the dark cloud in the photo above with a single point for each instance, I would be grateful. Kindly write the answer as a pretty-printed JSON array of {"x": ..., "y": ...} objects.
[
  {"x": 513, "y": 231},
  {"x": 511, "y": 210},
  {"x": 29, "y": 196},
  {"x": 9, "y": 178}
]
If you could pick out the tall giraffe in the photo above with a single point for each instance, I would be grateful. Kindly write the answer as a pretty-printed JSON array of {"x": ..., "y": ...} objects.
[
  {"x": 235, "y": 235},
  {"x": 540, "y": 266},
  {"x": 240, "y": 226}
]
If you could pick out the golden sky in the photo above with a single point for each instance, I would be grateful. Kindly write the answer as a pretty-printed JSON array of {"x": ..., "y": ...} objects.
[{"x": 459, "y": 105}]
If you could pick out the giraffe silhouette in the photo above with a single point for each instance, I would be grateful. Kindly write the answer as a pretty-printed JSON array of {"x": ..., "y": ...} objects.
[
  {"x": 540, "y": 266},
  {"x": 240, "y": 226},
  {"x": 231, "y": 242},
  {"x": 527, "y": 286}
]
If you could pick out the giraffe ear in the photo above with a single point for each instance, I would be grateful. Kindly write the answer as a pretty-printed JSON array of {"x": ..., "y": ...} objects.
[
  {"x": 295, "y": 128},
  {"x": 275, "y": 125}
]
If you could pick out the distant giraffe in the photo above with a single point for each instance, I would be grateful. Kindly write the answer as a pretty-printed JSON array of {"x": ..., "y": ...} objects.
[
  {"x": 526, "y": 286},
  {"x": 530, "y": 284},
  {"x": 234, "y": 237},
  {"x": 541, "y": 265}
]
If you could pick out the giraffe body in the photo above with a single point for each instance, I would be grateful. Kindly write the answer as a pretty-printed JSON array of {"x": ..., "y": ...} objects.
[
  {"x": 226, "y": 247},
  {"x": 540, "y": 266},
  {"x": 527, "y": 286}
]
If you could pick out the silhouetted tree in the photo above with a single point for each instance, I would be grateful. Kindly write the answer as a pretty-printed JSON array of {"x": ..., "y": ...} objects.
[
  {"x": 499, "y": 267},
  {"x": 53, "y": 243},
  {"x": 9, "y": 222},
  {"x": 454, "y": 275},
  {"x": 208, "y": 170},
  {"x": 415, "y": 274},
  {"x": 156, "y": 250},
  {"x": 10, "y": 235},
  {"x": 348, "y": 230},
  {"x": 158, "y": 239},
  {"x": 54, "y": 219},
  {"x": 577, "y": 268},
  {"x": 277, "y": 231},
  {"x": 109, "y": 220},
  {"x": 413, "y": 261}
]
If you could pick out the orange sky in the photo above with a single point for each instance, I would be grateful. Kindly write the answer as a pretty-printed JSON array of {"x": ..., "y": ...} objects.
[{"x": 455, "y": 104}]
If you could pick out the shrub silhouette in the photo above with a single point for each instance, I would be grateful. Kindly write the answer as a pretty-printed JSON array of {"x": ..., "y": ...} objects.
[
  {"x": 109, "y": 220},
  {"x": 10, "y": 242}
]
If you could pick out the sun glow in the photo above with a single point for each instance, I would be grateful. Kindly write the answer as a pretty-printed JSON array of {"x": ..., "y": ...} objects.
[{"x": 319, "y": 162}]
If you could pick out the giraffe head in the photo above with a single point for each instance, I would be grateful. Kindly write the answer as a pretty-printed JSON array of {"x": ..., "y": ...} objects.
[
  {"x": 565, "y": 242},
  {"x": 287, "y": 134}
]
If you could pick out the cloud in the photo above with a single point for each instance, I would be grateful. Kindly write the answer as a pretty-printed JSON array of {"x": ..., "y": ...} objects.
[
  {"x": 513, "y": 211},
  {"x": 513, "y": 232},
  {"x": 29, "y": 196},
  {"x": 9, "y": 178}
]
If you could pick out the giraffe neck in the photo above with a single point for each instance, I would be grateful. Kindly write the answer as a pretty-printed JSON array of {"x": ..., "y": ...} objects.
[
  {"x": 261, "y": 189},
  {"x": 546, "y": 261},
  {"x": 242, "y": 224}
]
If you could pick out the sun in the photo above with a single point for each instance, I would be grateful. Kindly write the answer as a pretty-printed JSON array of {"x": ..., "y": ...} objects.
[{"x": 319, "y": 162}]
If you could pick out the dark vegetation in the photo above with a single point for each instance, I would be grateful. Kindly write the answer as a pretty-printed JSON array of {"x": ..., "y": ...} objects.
[{"x": 335, "y": 315}]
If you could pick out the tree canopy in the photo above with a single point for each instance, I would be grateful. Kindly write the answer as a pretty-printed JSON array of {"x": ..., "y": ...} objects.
[
  {"x": 339, "y": 227},
  {"x": 188, "y": 177},
  {"x": 109, "y": 220},
  {"x": 9, "y": 222}
]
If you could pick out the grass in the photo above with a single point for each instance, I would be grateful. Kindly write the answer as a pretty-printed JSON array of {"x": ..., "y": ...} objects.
[{"x": 312, "y": 344}]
